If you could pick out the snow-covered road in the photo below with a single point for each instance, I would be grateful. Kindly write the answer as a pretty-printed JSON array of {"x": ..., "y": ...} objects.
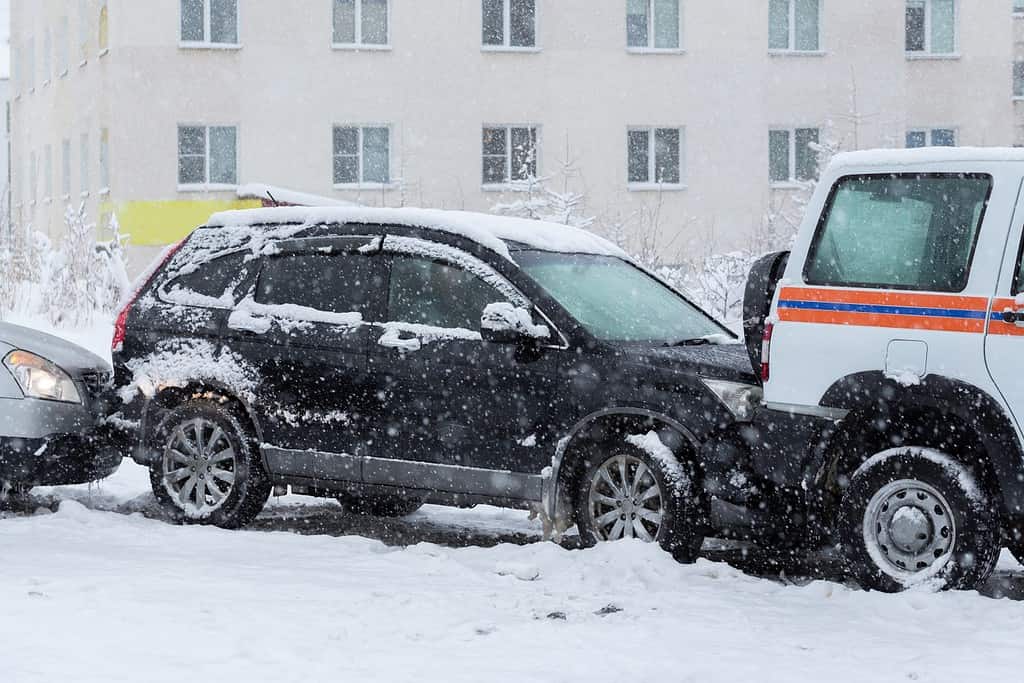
[{"x": 87, "y": 594}]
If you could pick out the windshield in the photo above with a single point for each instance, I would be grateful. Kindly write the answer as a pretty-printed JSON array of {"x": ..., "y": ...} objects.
[{"x": 616, "y": 301}]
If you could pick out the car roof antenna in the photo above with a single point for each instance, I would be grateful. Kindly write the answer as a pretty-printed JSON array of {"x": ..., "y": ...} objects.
[{"x": 273, "y": 200}]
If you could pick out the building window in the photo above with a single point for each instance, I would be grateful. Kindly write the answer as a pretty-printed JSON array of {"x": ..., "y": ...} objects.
[
  {"x": 655, "y": 156},
  {"x": 104, "y": 33},
  {"x": 65, "y": 169},
  {"x": 47, "y": 56},
  {"x": 1018, "y": 6},
  {"x": 84, "y": 25},
  {"x": 209, "y": 22},
  {"x": 509, "y": 23},
  {"x": 30, "y": 64},
  {"x": 653, "y": 24},
  {"x": 33, "y": 181},
  {"x": 207, "y": 155},
  {"x": 104, "y": 160},
  {"x": 1018, "y": 78},
  {"x": 83, "y": 163},
  {"x": 793, "y": 155},
  {"x": 931, "y": 27},
  {"x": 362, "y": 155},
  {"x": 509, "y": 154},
  {"x": 933, "y": 137},
  {"x": 361, "y": 23},
  {"x": 63, "y": 47},
  {"x": 47, "y": 173},
  {"x": 794, "y": 25}
]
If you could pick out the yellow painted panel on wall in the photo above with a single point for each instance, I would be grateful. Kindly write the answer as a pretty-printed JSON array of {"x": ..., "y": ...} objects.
[{"x": 166, "y": 222}]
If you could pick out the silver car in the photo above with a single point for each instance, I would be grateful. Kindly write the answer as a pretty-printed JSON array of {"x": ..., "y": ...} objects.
[{"x": 55, "y": 402}]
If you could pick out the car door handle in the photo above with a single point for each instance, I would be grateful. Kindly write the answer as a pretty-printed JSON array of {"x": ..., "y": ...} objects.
[
  {"x": 1013, "y": 317},
  {"x": 393, "y": 339}
]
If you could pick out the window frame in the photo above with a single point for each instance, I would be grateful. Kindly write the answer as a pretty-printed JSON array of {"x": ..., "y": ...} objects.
[
  {"x": 929, "y": 135},
  {"x": 509, "y": 182},
  {"x": 358, "y": 19},
  {"x": 206, "y": 43},
  {"x": 819, "y": 230},
  {"x": 652, "y": 161},
  {"x": 649, "y": 48},
  {"x": 1018, "y": 78},
  {"x": 927, "y": 52},
  {"x": 361, "y": 184},
  {"x": 207, "y": 186},
  {"x": 793, "y": 182},
  {"x": 507, "y": 32},
  {"x": 792, "y": 50}
]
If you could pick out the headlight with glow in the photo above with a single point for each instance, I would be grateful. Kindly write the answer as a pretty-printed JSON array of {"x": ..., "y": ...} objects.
[
  {"x": 740, "y": 399},
  {"x": 39, "y": 378}
]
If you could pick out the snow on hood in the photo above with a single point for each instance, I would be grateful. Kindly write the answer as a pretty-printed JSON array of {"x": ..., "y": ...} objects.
[
  {"x": 925, "y": 155},
  {"x": 492, "y": 232},
  {"x": 69, "y": 357}
]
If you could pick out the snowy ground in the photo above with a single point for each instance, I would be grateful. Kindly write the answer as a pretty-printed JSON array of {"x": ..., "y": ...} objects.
[{"x": 94, "y": 586}]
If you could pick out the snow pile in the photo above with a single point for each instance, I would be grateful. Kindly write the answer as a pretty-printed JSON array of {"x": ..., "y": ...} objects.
[
  {"x": 283, "y": 196},
  {"x": 259, "y": 318},
  {"x": 952, "y": 467},
  {"x": 504, "y": 316},
  {"x": 651, "y": 444},
  {"x": 456, "y": 257},
  {"x": 396, "y": 333},
  {"x": 491, "y": 232},
  {"x": 177, "y": 364}
]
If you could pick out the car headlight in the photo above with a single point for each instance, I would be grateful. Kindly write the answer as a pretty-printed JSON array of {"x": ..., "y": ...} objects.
[
  {"x": 39, "y": 378},
  {"x": 740, "y": 399}
]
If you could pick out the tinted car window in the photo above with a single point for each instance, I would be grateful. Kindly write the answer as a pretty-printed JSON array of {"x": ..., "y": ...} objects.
[
  {"x": 341, "y": 283},
  {"x": 214, "y": 278},
  {"x": 912, "y": 232},
  {"x": 425, "y": 292}
]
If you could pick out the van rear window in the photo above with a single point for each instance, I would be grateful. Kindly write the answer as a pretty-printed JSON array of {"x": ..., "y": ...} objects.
[{"x": 910, "y": 231}]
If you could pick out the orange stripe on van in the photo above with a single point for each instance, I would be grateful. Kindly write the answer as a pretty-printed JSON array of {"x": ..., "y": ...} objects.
[
  {"x": 997, "y": 325},
  {"x": 885, "y": 298},
  {"x": 906, "y": 322}
]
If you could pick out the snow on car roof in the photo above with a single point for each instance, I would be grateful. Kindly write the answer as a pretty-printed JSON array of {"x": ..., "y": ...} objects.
[
  {"x": 492, "y": 232},
  {"x": 926, "y": 155}
]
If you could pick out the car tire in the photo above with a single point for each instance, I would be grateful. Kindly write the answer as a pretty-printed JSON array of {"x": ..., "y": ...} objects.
[
  {"x": 378, "y": 505},
  {"x": 914, "y": 516},
  {"x": 659, "y": 502},
  {"x": 205, "y": 435}
]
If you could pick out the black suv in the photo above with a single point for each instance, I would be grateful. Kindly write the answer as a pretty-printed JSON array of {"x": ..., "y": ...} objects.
[{"x": 394, "y": 357}]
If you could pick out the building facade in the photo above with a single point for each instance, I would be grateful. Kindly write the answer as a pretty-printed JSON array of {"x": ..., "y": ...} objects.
[{"x": 687, "y": 124}]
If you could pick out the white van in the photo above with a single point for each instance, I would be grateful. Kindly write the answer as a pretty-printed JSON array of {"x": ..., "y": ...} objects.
[{"x": 891, "y": 346}]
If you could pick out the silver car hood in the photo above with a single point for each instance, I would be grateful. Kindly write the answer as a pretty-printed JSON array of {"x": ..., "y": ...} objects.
[{"x": 72, "y": 358}]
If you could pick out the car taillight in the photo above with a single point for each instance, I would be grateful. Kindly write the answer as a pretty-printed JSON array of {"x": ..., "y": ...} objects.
[
  {"x": 121, "y": 323},
  {"x": 766, "y": 350}
]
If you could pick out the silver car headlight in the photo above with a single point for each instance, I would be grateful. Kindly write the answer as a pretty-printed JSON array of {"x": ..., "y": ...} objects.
[
  {"x": 39, "y": 378},
  {"x": 741, "y": 399}
]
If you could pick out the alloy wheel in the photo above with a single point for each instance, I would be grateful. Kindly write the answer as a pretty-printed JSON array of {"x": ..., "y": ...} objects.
[
  {"x": 625, "y": 500},
  {"x": 199, "y": 467}
]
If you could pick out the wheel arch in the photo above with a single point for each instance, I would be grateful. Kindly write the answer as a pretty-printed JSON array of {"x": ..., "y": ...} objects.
[
  {"x": 565, "y": 465},
  {"x": 170, "y": 397},
  {"x": 939, "y": 408}
]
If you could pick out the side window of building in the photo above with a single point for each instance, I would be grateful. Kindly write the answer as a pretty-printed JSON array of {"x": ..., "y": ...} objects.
[
  {"x": 207, "y": 155},
  {"x": 425, "y": 292},
  {"x": 213, "y": 280},
  {"x": 653, "y": 24},
  {"x": 794, "y": 25},
  {"x": 655, "y": 156},
  {"x": 509, "y": 154},
  {"x": 931, "y": 27},
  {"x": 361, "y": 23},
  {"x": 914, "y": 232},
  {"x": 209, "y": 22},
  {"x": 931, "y": 137},
  {"x": 362, "y": 155},
  {"x": 333, "y": 283},
  {"x": 793, "y": 155},
  {"x": 509, "y": 23}
]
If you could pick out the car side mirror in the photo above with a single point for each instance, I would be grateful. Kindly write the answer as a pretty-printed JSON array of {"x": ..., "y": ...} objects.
[{"x": 503, "y": 323}]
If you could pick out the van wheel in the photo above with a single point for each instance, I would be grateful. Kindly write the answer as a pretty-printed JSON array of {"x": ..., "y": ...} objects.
[
  {"x": 209, "y": 470},
  {"x": 378, "y": 506},
  {"x": 626, "y": 492},
  {"x": 914, "y": 515}
]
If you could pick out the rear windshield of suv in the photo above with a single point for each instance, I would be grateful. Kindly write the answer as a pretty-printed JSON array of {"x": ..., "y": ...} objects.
[{"x": 910, "y": 231}]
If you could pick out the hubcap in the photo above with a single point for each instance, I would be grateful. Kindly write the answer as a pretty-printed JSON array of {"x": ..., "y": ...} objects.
[
  {"x": 199, "y": 467},
  {"x": 625, "y": 500},
  {"x": 909, "y": 529}
]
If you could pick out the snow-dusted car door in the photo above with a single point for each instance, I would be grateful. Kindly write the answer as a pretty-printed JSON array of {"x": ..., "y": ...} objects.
[
  {"x": 449, "y": 397},
  {"x": 307, "y": 321}
]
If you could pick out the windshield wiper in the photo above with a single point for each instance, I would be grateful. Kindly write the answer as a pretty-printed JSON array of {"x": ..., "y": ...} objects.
[{"x": 697, "y": 341}]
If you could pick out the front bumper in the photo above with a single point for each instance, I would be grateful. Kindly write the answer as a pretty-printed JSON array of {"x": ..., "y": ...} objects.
[{"x": 46, "y": 443}]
